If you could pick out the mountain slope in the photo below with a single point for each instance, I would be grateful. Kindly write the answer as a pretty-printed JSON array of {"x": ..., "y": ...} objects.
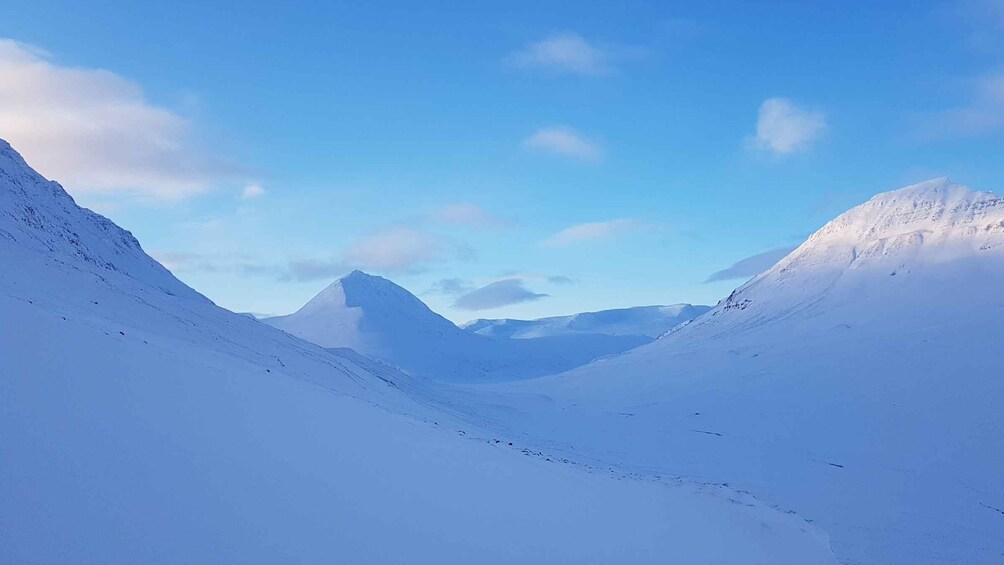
[
  {"x": 858, "y": 380},
  {"x": 649, "y": 321},
  {"x": 38, "y": 215},
  {"x": 141, "y": 424},
  {"x": 378, "y": 318}
]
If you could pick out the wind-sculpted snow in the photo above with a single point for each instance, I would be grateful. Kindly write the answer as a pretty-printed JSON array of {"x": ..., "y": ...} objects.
[
  {"x": 378, "y": 318},
  {"x": 858, "y": 381},
  {"x": 139, "y": 423},
  {"x": 648, "y": 321}
]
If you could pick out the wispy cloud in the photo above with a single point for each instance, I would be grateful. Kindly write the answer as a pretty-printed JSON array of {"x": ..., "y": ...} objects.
[
  {"x": 469, "y": 215},
  {"x": 750, "y": 266},
  {"x": 226, "y": 263},
  {"x": 252, "y": 191},
  {"x": 983, "y": 21},
  {"x": 580, "y": 233},
  {"x": 567, "y": 53},
  {"x": 783, "y": 128},
  {"x": 495, "y": 295},
  {"x": 95, "y": 131},
  {"x": 565, "y": 141},
  {"x": 449, "y": 287},
  {"x": 395, "y": 249},
  {"x": 306, "y": 270},
  {"x": 983, "y": 114}
]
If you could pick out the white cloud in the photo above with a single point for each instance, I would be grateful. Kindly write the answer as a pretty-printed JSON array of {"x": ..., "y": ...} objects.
[
  {"x": 95, "y": 131},
  {"x": 470, "y": 215},
  {"x": 564, "y": 141},
  {"x": 590, "y": 231},
  {"x": 783, "y": 128},
  {"x": 252, "y": 191},
  {"x": 396, "y": 249},
  {"x": 565, "y": 53}
]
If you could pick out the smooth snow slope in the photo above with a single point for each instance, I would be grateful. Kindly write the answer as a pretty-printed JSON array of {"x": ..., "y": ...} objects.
[
  {"x": 648, "y": 321},
  {"x": 858, "y": 381},
  {"x": 142, "y": 424},
  {"x": 378, "y": 318}
]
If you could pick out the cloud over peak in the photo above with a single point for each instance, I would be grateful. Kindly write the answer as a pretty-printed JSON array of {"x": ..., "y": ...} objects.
[
  {"x": 395, "y": 249},
  {"x": 783, "y": 128}
]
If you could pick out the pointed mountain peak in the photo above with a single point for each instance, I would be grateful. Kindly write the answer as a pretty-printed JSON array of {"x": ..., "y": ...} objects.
[
  {"x": 375, "y": 295},
  {"x": 357, "y": 274},
  {"x": 358, "y": 280}
]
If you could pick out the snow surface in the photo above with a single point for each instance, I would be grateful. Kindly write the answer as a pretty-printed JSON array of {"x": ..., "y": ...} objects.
[
  {"x": 858, "y": 381},
  {"x": 376, "y": 317},
  {"x": 648, "y": 321},
  {"x": 143, "y": 424}
]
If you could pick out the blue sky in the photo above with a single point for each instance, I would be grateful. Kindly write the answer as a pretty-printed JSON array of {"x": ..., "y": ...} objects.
[{"x": 590, "y": 156}]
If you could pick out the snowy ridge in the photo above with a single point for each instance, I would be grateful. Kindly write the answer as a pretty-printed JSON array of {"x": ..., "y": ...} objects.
[
  {"x": 939, "y": 208},
  {"x": 38, "y": 214}
]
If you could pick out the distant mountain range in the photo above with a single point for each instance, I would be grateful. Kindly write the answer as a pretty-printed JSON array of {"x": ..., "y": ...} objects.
[
  {"x": 648, "y": 321},
  {"x": 376, "y": 317}
]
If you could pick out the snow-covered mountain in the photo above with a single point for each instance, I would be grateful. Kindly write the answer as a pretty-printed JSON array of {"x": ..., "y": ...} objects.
[
  {"x": 376, "y": 317},
  {"x": 859, "y": 380},
  {"x": 649, "y": 321},
  {"x": 141, "y": 423}
]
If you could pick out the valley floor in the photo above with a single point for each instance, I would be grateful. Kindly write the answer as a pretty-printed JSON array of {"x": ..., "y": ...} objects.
[
  {"x": 869, "y": 465},
  {"x": 132, "y": 440}
]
